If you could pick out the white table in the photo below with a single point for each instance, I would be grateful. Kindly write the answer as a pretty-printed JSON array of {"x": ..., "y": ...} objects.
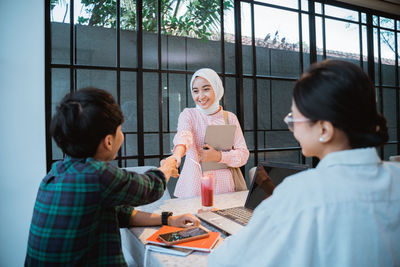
[{"x": 134, "y": 238}]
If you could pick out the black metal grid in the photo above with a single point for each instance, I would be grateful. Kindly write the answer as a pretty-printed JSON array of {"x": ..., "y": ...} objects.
[{"x": 238, "y": 75}]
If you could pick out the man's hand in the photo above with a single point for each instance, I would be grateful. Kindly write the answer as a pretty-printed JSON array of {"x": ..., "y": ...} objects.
[
  {"x": 264, "y": 181},
  {"x": 184, "y": 220},
  {"x": 177, "y": 158},
  {"x": 168, "y": 167},
  {"x": 208, "y": 153}
]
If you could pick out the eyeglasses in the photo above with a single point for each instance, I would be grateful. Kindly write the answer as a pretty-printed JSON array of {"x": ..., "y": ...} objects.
[{"x": 290, "y": 121}]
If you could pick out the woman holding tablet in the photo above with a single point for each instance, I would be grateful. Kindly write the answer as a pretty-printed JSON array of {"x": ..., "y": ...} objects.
[{"x": 206, "y": 90}]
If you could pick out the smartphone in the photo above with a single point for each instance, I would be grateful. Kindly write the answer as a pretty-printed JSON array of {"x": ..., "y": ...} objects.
[{"x": 181, "y": 236}]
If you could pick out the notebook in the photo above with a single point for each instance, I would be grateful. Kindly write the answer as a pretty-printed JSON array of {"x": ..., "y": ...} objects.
[
  {"x": 267, "y": 176},
  {"x": 169, "y": 250},
  {"x": 204, "y": 244},
  {"x": 221, "y": 138}
]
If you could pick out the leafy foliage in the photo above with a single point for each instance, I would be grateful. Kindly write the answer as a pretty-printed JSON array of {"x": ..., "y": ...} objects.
[
  {"x": 193, "y": 18},
  {"x": 387, "y": 37}
]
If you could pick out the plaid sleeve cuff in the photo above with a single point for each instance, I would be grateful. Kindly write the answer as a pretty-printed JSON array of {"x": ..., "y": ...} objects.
[{"x": 124, "y": 214}]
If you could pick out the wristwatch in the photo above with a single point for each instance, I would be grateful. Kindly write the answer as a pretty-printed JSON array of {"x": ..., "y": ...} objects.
[{"x": 164, "y": 217}]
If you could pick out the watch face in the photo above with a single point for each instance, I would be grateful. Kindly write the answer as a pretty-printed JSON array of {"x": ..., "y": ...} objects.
[{"x": 164, "y": 217}]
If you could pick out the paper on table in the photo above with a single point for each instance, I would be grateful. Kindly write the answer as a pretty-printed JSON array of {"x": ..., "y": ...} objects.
[{"x": 169, "y": 250}]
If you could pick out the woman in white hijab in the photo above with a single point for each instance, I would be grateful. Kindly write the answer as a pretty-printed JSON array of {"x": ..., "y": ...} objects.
[{"x": 207, "y": 90}]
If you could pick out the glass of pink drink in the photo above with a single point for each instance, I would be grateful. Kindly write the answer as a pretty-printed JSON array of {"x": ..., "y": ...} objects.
[{"x": 207, "y": 192}]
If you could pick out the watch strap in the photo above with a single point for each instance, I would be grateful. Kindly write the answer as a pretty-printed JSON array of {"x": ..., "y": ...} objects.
[{"x": 164, "y": 217}]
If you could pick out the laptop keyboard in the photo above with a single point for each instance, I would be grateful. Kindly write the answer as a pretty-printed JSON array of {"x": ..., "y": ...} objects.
[{"x": 240, "y": 215}]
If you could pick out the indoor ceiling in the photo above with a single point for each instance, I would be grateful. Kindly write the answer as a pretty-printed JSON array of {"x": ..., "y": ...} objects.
[{"x": 387, "y": 6}]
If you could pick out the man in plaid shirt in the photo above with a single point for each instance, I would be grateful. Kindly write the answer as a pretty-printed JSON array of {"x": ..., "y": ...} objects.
[{"x": 84, "y": 200}]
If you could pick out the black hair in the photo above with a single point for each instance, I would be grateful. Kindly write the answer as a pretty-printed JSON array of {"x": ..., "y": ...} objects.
[
  {"x": 83, "y": 119},
  {"x": 341, "y": 93}
]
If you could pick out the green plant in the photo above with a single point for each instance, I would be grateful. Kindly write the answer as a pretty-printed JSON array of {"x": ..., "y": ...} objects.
[
  {"x": 193, "y": 18},
  {"x": 387, "y": 37}
]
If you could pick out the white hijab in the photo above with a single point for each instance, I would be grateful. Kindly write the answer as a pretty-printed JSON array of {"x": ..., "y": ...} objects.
[{"x": 212, "y": 77}]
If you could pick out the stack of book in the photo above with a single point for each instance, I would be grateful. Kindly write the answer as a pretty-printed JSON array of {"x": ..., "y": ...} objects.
[{"x": 184, "y": 248}]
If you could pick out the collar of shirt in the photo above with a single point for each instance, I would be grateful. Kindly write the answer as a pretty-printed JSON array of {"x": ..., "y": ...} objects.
[{"x": 359, "y": 156}]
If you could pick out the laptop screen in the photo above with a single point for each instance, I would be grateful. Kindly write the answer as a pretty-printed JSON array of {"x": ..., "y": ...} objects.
[{"x": 267, "y": 176}]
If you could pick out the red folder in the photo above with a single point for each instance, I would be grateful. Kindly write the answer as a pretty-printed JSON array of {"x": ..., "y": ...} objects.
[{"x": 204, "y": 244}]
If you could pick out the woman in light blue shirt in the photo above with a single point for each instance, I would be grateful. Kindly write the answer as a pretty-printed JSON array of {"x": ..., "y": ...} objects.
[{"x": 346, "y": 211}]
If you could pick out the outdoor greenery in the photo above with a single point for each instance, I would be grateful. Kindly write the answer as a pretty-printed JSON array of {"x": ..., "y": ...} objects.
[
  {"x": 387, "y": 37},
  {"x": 192, "y": 18}
]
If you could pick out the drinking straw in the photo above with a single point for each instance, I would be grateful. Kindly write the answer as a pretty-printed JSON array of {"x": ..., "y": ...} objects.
[{"x": 198, "y": 164}]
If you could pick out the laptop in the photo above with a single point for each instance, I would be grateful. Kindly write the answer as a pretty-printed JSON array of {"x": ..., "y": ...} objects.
[{"x": 267, "y": 176}]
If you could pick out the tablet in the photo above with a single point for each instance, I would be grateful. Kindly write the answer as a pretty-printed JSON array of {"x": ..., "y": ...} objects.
[{"x": 221, "y": 138}]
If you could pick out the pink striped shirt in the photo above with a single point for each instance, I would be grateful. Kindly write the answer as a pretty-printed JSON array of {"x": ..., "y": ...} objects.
[{"x": 191, "y": 131}]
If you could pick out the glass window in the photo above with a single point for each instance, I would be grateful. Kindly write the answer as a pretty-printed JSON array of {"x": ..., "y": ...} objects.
[
  {"x": 60, "y": 32},
  {"x": 60, "y": 82},
  {"x": 150, "y": 102},
  {"x": 280, "y": 156},
  {"x": 191, "y": 39},
  {"x": 277, "y": 44},
  {"x": 128, "y": 101},
  {"x": 342, "y": 13},
  {"x": 386, "y": 23},
  {"x": 337, "y": 31},
  {"x": 247, "y": 49},
  {"x": 390, "y": 150},
  {"x": 305, "y": 41},
  {"x": 173, "y": 52},
  {"x": 230, "y": 94},
  {"x": 375, "y": 20},
  {"x": 364, "y": 48},
  {"x": 304, "y": 5},
  {"x": 318, "y": 8},
  {"x": 129, "y": 147},
  {"x": 61, "y": 86},
  {"x": 363, "y": 18},
  {"x": 389, "y": 111},
  {"x": 388, "y": 57},
  {"x": 248, "y": 89},
  {"x": 175, "y": 92},
  {"x": 229, "y": 40},
  {"x": 285, "y": 3},
  {"x": 263, "y": 104},
  {"x": 168, "y": 143},
  {"x": 95, "y": 33},
  {"x": 128, "y": 48},
  {"x": 152, "y": 145},
  {"x": 281, "y": 102},
  {"x": 203, "y": 53},
  {"x": 102, "y": 79}
]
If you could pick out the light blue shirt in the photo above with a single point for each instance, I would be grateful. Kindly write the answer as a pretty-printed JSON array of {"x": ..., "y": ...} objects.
[{"x": 345, "y": 212}]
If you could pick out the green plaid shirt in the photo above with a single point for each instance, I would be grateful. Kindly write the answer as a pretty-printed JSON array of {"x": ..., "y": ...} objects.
[{"x": 80, "y": 206}]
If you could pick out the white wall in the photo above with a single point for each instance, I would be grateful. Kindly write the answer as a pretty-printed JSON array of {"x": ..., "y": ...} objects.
[{"x": 22, "y": 141}]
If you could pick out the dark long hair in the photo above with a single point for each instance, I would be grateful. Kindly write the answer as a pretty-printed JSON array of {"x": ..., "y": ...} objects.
[
  {"x": 83, "y": 119},
  {"x": 341, "y": 93}
]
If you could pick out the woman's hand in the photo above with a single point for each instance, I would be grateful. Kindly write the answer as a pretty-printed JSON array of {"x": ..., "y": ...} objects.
[
  {"x": 178, "y": 152},
  {"x": 177, "y": 158},
  {"x": 184, "y": 220},
  {"x": 168, "y": 167},
  {"x": 208, "y": 153}
]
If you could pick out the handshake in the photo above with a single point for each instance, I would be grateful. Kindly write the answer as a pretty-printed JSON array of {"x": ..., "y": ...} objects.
[{"x": 169, "y": 166}]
